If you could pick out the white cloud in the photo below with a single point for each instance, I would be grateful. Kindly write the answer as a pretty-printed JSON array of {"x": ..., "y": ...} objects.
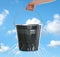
[
  {"x": 54, "y": 43},
  {"x": 33, "y": 21},
  {"x": 56, "y": 16},
  {"x": 11, "y": 31},
  {"x": 3, "y": 16},
  {"x": 53, "y": 26},
  {"x": 3, "y": 48}
]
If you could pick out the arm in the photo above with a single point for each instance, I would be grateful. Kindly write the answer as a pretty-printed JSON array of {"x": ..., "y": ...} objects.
[{"x": 37, "y": 2}]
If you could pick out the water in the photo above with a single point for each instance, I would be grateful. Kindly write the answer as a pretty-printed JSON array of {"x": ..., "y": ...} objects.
[{"x": 14, "y": 52}]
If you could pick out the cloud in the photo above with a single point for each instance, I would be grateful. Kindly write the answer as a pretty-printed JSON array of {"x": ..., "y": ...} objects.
[
  {"x": 3, "y": 16},
  {"x": 33, "y": 21},
  {"x": 11, "y": 31},
  {"x": 54, "y": 43},
  {"x": 3, "y": 48},
  {"x": 53, "y": 26}
]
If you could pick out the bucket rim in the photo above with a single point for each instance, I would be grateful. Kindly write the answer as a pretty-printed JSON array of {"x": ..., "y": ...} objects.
[{"x": 27, "y": 24}]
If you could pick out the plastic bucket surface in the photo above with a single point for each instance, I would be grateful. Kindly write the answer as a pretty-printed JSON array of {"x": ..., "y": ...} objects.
[{"x": 28, "y": 37}]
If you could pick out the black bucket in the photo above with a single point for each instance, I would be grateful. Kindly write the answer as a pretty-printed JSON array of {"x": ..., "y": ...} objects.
[{"x": 28, "y": 36}]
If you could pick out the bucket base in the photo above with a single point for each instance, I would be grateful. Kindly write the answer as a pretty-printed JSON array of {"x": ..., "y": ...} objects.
[{"x": 28, "y": 50}]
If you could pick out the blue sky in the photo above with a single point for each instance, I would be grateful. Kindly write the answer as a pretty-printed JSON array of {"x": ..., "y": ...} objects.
[{"x": 46, "y": 14}]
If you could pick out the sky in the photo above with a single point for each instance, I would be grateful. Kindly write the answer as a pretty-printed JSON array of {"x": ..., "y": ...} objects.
[{"x": 14, "y": 12}]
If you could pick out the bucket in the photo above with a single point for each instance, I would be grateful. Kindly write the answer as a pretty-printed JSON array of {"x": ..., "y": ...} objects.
[{"x": 28, "y": 36}]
